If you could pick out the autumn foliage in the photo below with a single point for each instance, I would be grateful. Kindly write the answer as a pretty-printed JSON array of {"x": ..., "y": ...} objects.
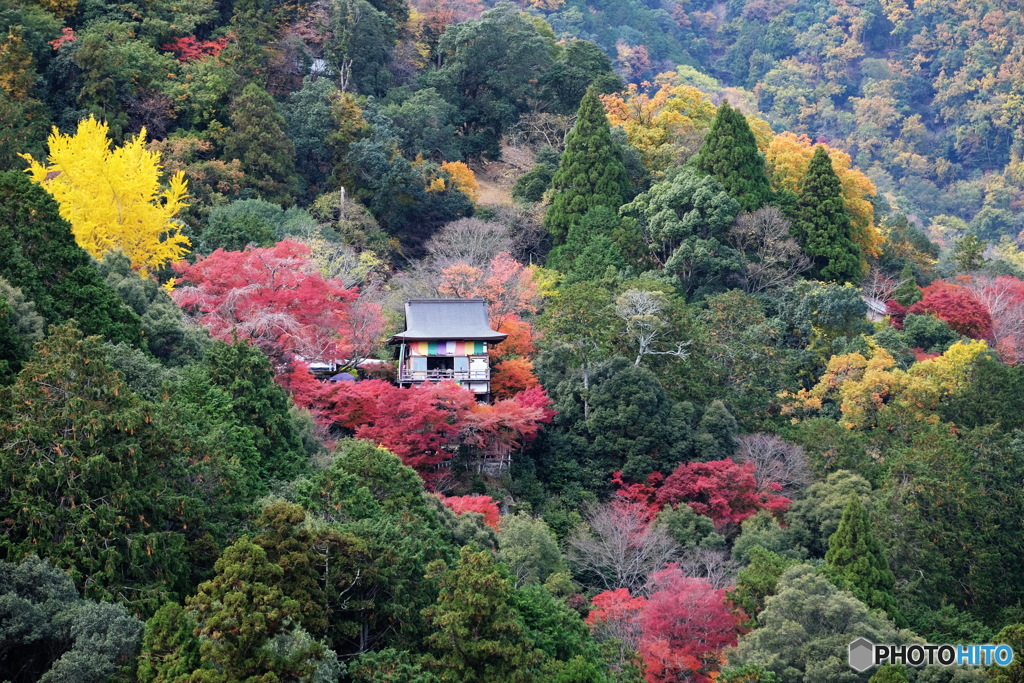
[
  {"x": 276, "y": 298},
  {"x": 788, "y": 157},
  {"x": 723, "y": 490},
  {"x": 679, "y": 630},
  {"x": 957, "y": 306},
  {"x": 485, "y": 505},
  {"x": 113, "y": 198},
  {"x": 424, "y": 425},
  {"x": 191, "y": 49},
  {"x": 507, "y": 285}
]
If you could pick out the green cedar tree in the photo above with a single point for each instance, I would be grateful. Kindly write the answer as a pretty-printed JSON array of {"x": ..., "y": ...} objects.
[
  {"x": 822, "y": 225},
  {"x": 258, "y": 140},
  {"x": 730, "y": 155},
  {"x": 590, "y": 173},
  {"x": 908, "y": 293},
  {"x": 38, "y": 254},
  {"x": 478, "y": 635},
  {"x": 856, "y": 558}
]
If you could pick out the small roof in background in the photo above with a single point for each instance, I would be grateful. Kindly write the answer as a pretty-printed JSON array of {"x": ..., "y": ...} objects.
[
  {"x": 436, "y": 319},
  {"x": 343, "y": 377}
]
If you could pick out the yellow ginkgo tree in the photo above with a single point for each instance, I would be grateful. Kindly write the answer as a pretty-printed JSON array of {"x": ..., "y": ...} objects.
[{"x": 112, "y": 197}]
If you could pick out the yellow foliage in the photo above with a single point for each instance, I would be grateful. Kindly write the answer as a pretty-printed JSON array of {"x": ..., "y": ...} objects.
[
  {"x": 112, "y": 198},
  {"x": 436, "y": 185},
  {"x": 546, "y": 280},
  {"x": 464, "y": 179},
  {"x": 667, "y": 126},
  {"x": 788, "y": 157},
  {"x": 873, "y": 392}
]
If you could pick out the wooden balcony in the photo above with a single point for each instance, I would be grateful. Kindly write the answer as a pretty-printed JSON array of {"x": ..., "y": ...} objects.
[{"x": 406, "y": 375}]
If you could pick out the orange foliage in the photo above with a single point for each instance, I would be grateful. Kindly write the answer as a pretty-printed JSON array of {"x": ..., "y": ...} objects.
[
  {"x": 464, "y": 179},
  {"x": 512, "y": 376},
  {"x": 505, "y": 283}
]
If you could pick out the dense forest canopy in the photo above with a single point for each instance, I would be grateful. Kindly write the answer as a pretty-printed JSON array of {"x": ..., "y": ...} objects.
[{"x": 757, "y": 271}]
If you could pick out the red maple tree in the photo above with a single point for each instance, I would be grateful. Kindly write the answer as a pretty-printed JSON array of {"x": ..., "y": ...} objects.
[
  {"x": 679, "y": 630},
  {"x": 723, "y": 490},
  {"x": 957, "y": 306},
  {"x": 276, "y": 298},
  {"x": 191, "y": 49},
  {"x": 424, "y": 425}
]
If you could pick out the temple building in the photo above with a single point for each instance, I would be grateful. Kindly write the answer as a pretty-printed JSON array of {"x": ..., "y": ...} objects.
[{"x": 447, "y": 339}]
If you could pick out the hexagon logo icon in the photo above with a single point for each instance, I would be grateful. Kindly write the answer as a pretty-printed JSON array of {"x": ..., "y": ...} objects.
[{"x": 862, "y": 653}]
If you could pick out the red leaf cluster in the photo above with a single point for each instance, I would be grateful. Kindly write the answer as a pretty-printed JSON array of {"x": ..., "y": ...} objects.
[
  {"x": 957, "y": 306},
  {"x": 191, "y": 49},
  {"x": 485, "y": 505},
  {"x": 276, "y": 298},
  {"x": 423, "y": 425},
  {"x": 67, "y": 35},
  {"x": 680, "y": 630},
  {"x": 723, "y": 490}
]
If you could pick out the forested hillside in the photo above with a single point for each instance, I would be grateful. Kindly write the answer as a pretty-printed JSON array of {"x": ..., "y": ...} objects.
[{"x": 757, "y": 269}]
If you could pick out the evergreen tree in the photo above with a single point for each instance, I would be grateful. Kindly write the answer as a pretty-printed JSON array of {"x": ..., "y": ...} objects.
[
  {"x": 856, "y": 559},
  {"x": 89, "y": 472},
  {"x": 716, "y": 433},
  {"x": 822, "y": 224},
  {"x": 260, "y": 406},
  {"x": 908, "y": 293},
  {"x": 240, "y": 612},
  {"x": 890, "y": 673},
  {"x": 730, "y": 155},
  {"x": 38, "y": 254},
  {"x": 478, "y": 635},
  {"x": 590, "y": 173},
  {"x": 969, "y": 253},
  {"x": 259, "y": 141},
  {"x": 170, "y": 649},
  {"x": 252, "y": 27}
]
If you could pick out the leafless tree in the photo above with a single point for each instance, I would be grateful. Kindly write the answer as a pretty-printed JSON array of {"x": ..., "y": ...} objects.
[
  {"x": 775, "y": 461},
  {"x": 1001, "y": 296},
  {"x": 541, "y": 128},
  {"x": 714, "y": 566},
  {"x": 775, "y": 257},
  {"x": 470, "y": 241},
  {"x": 642, "y": 311},
  {"x": 618, "y": 548},
  {"x": 878, "y": 285}
]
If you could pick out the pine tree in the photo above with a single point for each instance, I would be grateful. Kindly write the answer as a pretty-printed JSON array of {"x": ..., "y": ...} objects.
[
  {"x": 478, "y": 635},
  {"x": 258, "y": 140},
  {"x": 856, "y": 559},
  {"x": 730, "y": 155},
  {"x": 822, "y": 225},
  {"x": 591, "y": 172}
]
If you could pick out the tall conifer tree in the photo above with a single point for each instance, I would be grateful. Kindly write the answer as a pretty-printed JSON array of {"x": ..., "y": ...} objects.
[
  {"x": 856, "y": 558},
  {"x": 730, "y": 155},
  {"x": 591, "y": 172},
  {"x": 258, "y": 140},
  {"x": 822, "y": 224}
]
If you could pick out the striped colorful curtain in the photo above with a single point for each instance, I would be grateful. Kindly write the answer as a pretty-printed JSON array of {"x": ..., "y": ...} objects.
[{"x": 448, "y": 348}]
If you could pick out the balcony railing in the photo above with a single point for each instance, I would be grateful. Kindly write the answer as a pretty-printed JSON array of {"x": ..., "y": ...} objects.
[{"x": 442, "y": 375}]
